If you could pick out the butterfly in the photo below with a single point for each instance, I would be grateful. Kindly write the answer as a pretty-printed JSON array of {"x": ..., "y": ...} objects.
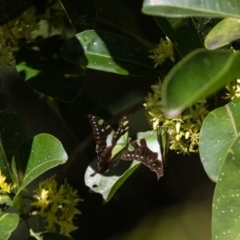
[
  {"x": 114, "y": 145},
  {"x": 109, "y": 143}
]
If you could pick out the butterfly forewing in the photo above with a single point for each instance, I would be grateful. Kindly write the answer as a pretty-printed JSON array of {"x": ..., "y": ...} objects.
[
  {"x": 146, "y": 150},
  {"x": 109, "y": 143},
  {"x": 120, "y": 138},
  {"x": 102, "y": 132}
]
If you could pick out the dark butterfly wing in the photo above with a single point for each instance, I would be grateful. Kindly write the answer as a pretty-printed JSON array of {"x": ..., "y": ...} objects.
[
  {"x": 121, "y": 134},
  {"x": 142, "y": 153},
  {"x": 109, "y": 143},
  {"x": 101, "y": 131}
]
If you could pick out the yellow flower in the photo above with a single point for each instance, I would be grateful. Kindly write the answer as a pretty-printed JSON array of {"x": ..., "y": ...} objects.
[
  {"x": 58, "y": 205},
  {"x": 183, "y": 129},
  {"x": 2, "y": 178},
  {"x": 233, "y": 89},
  {"x": 5, "y": 187},
  {"x": 52, "y": 219},
  {"x": 66, "y": 228},
  {"x": 24, "y": 27},
  {"x": 163, "y": 51},
  {"x": 12, "y": 32},
  {"x": 42, "y": 198}
]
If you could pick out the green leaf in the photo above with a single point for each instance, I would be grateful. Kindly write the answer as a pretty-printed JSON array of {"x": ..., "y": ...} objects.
[
  {"x": 81, "y": 13},
  {"x": 225, "y": 32},
  {"x": 8, "y": 223},
  {"x": 5, "y": 202},
  {"x": 107, "y": 184},
  {"x": 200, "y": 74},
  {"x": 176, "y": 28},
  {"x": 226, "y": 204},
  {"x": 36, "y": 157},
  {"x": 219, "y": 130},
  {"x": 163, "y": 140},
  {"x": 184, "y": 8},
  {"x": 108, "y": 52},
  {"x": 12, "y": 135},
  {"x": 46, "y": 71}
]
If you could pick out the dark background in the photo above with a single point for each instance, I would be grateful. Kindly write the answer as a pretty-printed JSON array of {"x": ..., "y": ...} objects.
[{"x": 178, "y": 206}]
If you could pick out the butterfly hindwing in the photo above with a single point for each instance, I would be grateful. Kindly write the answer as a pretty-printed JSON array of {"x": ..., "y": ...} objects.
[
  {"x": 146, "y": 150},
  {"x": 109, "y": 143}
]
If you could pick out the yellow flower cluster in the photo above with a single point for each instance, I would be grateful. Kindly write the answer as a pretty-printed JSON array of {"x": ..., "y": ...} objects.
[
  {"x": 163, "y": 51},
  {"x": 12, "y": 32},
  {"x": 57, "y": 205},
  {"x": 184, "y": 129},
  {"x": 4, "y": 187},
  {"x": 233, "y": 89}
]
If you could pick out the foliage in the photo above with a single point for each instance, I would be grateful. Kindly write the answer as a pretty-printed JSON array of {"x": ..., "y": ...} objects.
[{"x": 187, "y": 101}]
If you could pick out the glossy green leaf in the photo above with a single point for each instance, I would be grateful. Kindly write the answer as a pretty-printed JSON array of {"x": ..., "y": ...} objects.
[
  {"x": 36, "y": 157},
  {"x": 225, "y": 32},
  {"x": 108, "y": 52},
  {"x": 200, "y": 74},
  {"x": 184, "y": 8},
  {"x": 81, "y": 13},
  {"x": 8, "y": 223},
  {"x": 163, "y": 140},
  {"x": 176, "y": 28},
  {"x": 46, "y": 71},
  {"x": 226, "y": 204},
  {"x": 220, "y": 129},
  {"x": 12, "y": 135},
  {"x": 5, "y": 202},
  {"x": 107, "y": 183}
]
